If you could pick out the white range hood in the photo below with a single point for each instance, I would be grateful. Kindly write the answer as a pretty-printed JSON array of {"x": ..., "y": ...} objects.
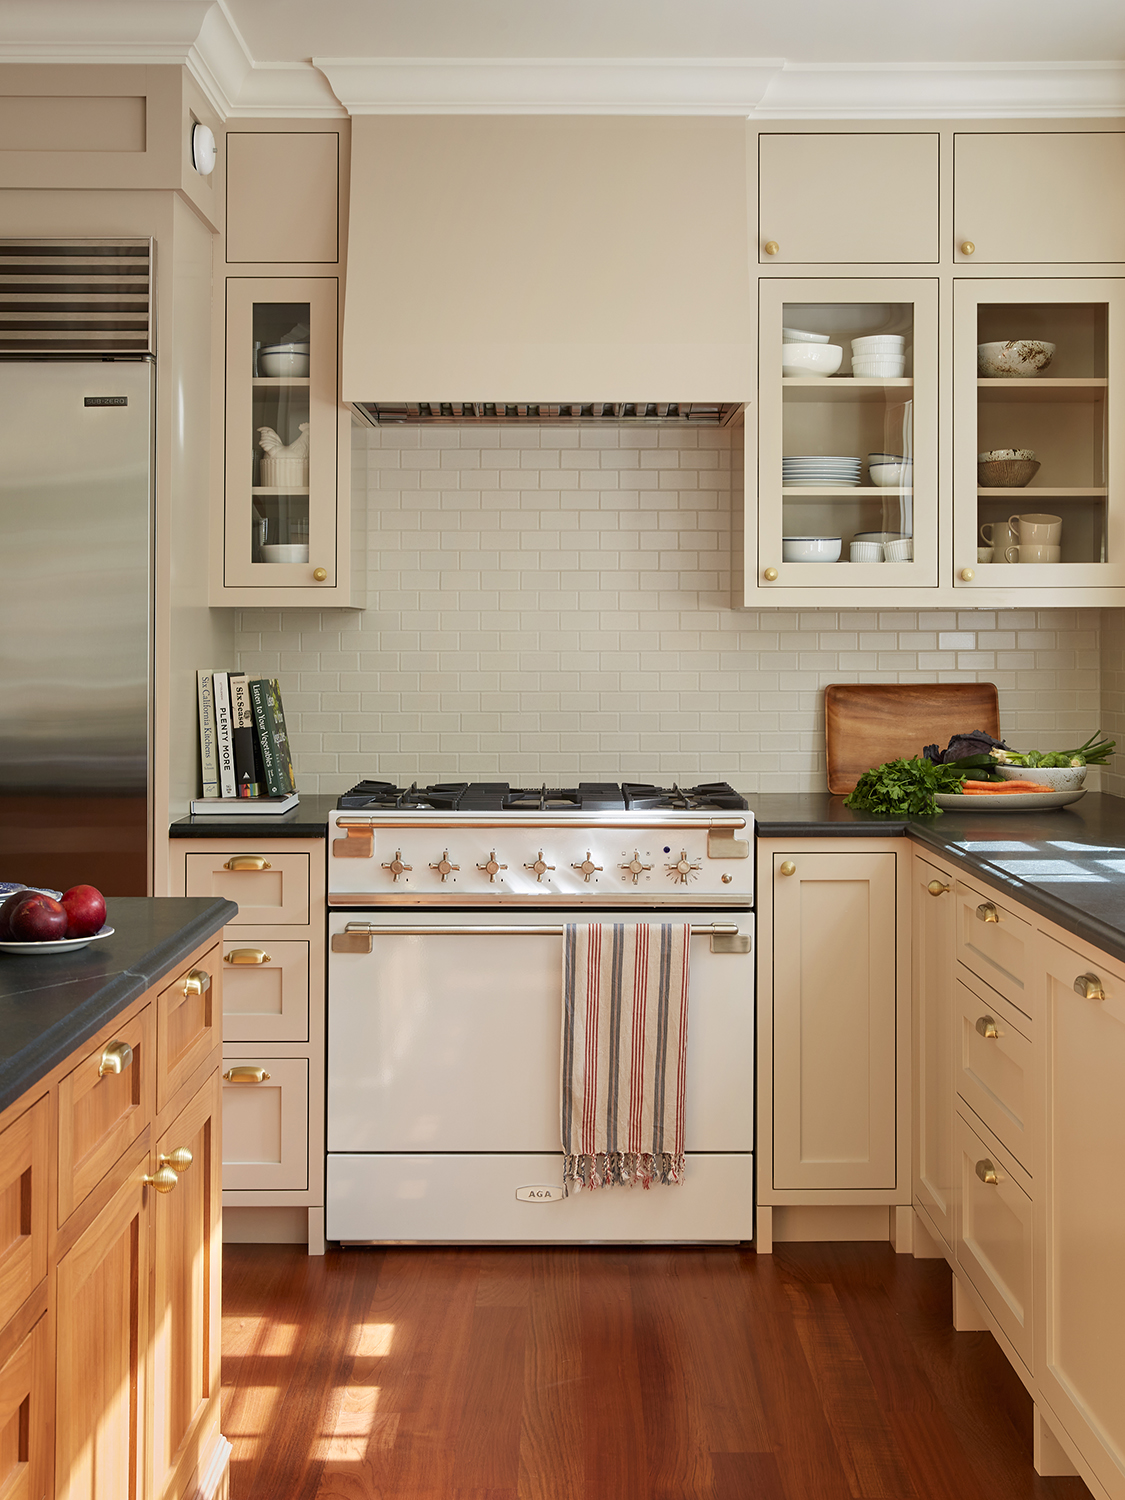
[{"x": 537, "y": 262}]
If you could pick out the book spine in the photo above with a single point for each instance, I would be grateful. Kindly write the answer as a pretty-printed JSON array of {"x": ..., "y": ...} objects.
[
  {"x": 224, "y": 740},
  {"x": 259, "y": 703},
  {"x": 207, "y": 754},
  {"x": 281, "y": 740},
  {"x": 242, "y": 733}
]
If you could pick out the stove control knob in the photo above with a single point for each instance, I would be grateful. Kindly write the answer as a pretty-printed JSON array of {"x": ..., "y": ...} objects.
[
  {"x": 634, "y": 867},
  {"x": 396, "y": 865},
  {"x": 587, "y": 867},
  {"x": 491, "y": 868},
  {"x": 443, "y": 867},
  {"x": 540, "y": 869},
  {"x": 682, "y": 869}
]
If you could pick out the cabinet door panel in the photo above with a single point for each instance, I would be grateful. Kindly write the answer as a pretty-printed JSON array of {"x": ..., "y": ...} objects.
[
  {"x": 185, "y": 1024},
  {"x": 995, "y": 1233},
  {"x": 26, "y": 1418},
  {"x": 23, "y": 1208},
  {"x": 993, "y": 942},
  {"x": 266, "y": 1125},
  {"x": 275, "y": 895},
  {"x": 994, "y": 1067},
  {"x": 835, "y": 1021},
  {"x": 265, "y": 989},
  {"x": 933, "y": 1043},
  {"x": 267, "y": 221}
]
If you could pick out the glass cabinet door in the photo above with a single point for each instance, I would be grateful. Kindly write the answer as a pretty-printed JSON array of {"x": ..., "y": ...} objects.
[
  {"x": 1037, "y": 366},
  {"x": 847, "y": 435},
  {"x": 280, "y": 515}
]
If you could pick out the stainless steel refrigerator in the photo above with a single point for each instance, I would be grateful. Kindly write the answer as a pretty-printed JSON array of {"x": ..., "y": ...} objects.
[{"x": 76, "y": 471}]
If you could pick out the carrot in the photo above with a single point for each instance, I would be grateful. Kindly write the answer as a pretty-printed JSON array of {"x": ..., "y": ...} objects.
[{"x": 1001, "y": 788}]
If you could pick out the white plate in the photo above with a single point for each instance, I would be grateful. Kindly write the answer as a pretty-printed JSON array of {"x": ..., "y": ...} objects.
[
  {"x": 1007, "y": 801},
  {"x": 59, "y": 945}
]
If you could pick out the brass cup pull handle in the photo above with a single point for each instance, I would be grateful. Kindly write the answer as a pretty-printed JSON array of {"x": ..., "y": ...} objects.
[
  {"x": 179, "y": 1160},
  {"x": 247, "y": 956},
  {"x": 937, "y": 888},
  {"x": 247, "y": 862},
  {"x": 197, "y": 982},
  {"x": 771, "y": 247},
  {"x": 987, "y": 1172},
  {"x": 986, "y": 912},
  {"x": 246, "y": 1074},
  {"x": 787, "y": 867},
  {"x": 115, "y": 1059},
  {"x": 986, "y": 1025},
  {"x": 164, "y": 1180},
  {"x": 1090, "y": 987}
]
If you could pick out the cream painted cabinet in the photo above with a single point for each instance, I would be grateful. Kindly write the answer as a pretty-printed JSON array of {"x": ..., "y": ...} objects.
[
  {"x": 933, "y": 967},
  {"x": 283, "y": 196},
  {"x": 841, "y": 197},
  {"x": 1044, "y": 196}
]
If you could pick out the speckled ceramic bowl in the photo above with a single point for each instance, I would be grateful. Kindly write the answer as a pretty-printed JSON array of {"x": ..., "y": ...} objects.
[
  {"x": 1017, "y": 358},
  {"x": 1058, "y": 778}
]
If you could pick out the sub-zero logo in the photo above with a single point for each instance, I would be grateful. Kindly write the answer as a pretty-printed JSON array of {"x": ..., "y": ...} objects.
[
  {"x": 105, "y": 401},
  {"x": 541, "y": 1193}
]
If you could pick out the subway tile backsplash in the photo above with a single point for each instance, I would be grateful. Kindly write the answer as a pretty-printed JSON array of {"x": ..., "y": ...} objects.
[{"x": 553, "y": 604}]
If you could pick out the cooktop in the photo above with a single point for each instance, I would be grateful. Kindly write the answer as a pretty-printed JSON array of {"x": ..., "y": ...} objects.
[{"x": 498, "y": 796}]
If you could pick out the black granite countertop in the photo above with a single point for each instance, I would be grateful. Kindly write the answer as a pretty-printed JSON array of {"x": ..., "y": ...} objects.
[
  {"x": 49, "y": 1005},
  {"x": 308, "y": 820}
]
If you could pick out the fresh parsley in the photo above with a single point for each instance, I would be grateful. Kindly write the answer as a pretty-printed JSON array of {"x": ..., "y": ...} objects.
[{"x": 905, "y": 787}]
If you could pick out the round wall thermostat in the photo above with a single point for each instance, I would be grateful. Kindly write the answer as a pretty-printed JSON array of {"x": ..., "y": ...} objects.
[{"x": 202, "y": 149}]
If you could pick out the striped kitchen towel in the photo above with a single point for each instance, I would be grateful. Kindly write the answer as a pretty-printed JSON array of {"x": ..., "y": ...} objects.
[{"x": 624, "y": 1053}]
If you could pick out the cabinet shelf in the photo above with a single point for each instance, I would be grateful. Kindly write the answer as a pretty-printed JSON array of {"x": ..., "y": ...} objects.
[
  {"x": 271, "y": 381},
  {"x": 285, "y": 489},
  {"x": 848, "y": 491},
  {"x": 997, "y": 388},
  {"x": 843, "y": 388},
  {"x": 1048, "y": 492}
]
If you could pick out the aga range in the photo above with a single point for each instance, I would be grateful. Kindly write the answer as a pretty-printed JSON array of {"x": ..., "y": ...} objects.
[{"x": 447, "y": 910}]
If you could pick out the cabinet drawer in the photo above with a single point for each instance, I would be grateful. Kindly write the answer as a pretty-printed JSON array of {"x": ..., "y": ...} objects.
[
  {"x": 270, "y": 889},
  {"x": 993, "y": 942},
  {"x": 23, "y": 1209},
  {"x": 26, "y": 1417},
  {"x": 266, "y": 1125},
  {"x": 185, "y": 1024},
  {"x": 994, "y": 1232},
  {"x": 994, "y": 1065},
  {"x": 104, "y": 1104},
  {"x": 265, "y": 989}
]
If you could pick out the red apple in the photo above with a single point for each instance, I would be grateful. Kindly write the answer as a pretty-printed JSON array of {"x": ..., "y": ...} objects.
[
  {"x": 6, "y": 910},
  {"x": 38, "y": 919},
  {"x": 85, "y": 910}
]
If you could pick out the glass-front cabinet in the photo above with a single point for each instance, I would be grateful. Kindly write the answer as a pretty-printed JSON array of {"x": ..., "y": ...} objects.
[
  {"x": 847, "y": 435},
  {"x": 1037, "y": 369},
  {"x": 280, "y": 516}
]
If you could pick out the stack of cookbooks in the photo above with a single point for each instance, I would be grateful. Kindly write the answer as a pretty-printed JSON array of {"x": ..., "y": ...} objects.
[{"x": 244, "y": 746}]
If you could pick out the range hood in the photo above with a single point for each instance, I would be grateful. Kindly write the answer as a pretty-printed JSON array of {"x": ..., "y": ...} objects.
[{"x": 540, "y": 261}]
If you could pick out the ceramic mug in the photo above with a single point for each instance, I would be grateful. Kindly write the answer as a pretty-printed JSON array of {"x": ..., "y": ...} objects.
[
  {"x": 999, "y": 536},
  {"x": 866, "y": 552},
  {"x": 984, "y": 554},
  {"x": 899, "y": 551},
  {"x": 1033, "y": 552},
  {"x": 1036, "y": 528}
]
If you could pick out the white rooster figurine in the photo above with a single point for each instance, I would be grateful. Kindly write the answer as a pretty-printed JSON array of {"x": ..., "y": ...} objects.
[
  {"x": 273, "y": 445},
  {"x": 281, "y": 464}
]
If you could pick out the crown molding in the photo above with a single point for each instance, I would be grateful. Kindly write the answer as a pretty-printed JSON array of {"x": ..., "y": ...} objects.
[{"x": 934, "y": 91}]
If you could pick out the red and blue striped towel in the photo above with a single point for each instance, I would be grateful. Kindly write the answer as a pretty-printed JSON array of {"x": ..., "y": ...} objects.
[{"x": 624, "y": 1053}]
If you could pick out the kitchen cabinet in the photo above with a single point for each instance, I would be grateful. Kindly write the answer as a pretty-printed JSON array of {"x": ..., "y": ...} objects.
[
  {"x": 839, "y": 197},
  {"x": 27, "y": 1415},
  {"x": 1039, "y": 196},
  {"x": 283, "y": 196},
  {"x": 933, "y": 965}
]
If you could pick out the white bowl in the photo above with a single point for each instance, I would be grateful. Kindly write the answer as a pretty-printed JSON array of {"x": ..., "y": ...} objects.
[
  {"x": 802, "y": 336},
  {"x": 1058, "y": 778},
  {"x": 866, "y": 552},
  {"x": 811, "y": 548},
  {"x": 880, "y": 366},
  {"x": 998, "y": 455},
  {"x": 888, "y": 474},
  {"x": 881, "y": 536},
  {"x": 900, "y": 551},
  {"x": 286, "y": 348},
  {"x": 283, "y": 364},
  {"x": 811, "y": 359},
  {"x": 287, "y": 553},
  {"x": 879, "y": 343},
  {"x": 1017, "y": 358}
]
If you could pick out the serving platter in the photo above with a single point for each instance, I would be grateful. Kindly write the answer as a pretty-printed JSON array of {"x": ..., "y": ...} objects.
[
  {"x": 1007, "y": 801},
  {"x": 59, "y": 945}
]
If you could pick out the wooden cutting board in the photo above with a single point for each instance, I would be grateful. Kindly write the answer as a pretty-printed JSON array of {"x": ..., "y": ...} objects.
[{"x": 867, "y": 723}]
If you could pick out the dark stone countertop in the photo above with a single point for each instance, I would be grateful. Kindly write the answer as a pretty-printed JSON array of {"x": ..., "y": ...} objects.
[
  {"x": 308, "y": 820},
  {"x": 51, "y": 1004}
]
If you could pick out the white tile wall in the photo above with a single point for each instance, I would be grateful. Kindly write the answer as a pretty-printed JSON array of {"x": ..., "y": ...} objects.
[{"x": 553, "y": 604}]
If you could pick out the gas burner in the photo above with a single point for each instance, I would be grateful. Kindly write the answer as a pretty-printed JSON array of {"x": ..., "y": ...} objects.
[
  {"x": 384, "y": 796},
  {"x": 711, "y": 796},
  {"x": 543, "y": 799}
]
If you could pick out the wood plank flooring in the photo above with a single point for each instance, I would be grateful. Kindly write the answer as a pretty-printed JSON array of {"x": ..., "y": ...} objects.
[{"x": 823, "y": 1372}]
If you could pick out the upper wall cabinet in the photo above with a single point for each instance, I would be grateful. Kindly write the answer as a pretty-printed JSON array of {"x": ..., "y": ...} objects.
[
  {"x": 1039, "y": 198},
  {"x": 283, "y": 201},
  {"x": 848, "y": 199}
]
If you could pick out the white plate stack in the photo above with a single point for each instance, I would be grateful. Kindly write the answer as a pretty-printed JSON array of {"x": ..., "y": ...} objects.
[{"x": 820, "y": 470}]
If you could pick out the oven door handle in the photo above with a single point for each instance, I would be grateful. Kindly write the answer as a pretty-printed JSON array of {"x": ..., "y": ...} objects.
[{"x": 357, "y": 936}]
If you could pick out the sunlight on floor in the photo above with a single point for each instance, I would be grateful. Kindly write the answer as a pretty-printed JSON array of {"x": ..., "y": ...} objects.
[{"x": 371, "y": 1339}]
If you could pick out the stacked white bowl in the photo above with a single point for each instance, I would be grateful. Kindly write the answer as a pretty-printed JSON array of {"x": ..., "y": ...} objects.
[
  {"x": 881, "y": 356},
  {"x": 802, "y": 336}
]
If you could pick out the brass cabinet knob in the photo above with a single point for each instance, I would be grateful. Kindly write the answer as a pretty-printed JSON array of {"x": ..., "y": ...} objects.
[
  {"x": 163, "y": 1181},
  {"x": 987, "y": 1172},
  {"x": 198, "y": 982},
  {"x": 967, "y": 575},
  {"x": 770, "y": 575},
  {"x": 320, "y": 574},
  {"x": 247, "y": 956},
  {"x": 247, "y": 862},
  {"x": 937, "y": 888},
  {"x": 179, "y": 1160},
  {"x": 787, "y": 867},
  {"x": 967, "y": 247},
  {"x": 115, "y": 1059},
  {"x": 1090, "y": 987},
  {"x": 771, "y": 247},
  {"x": 986, "y": 1025},
  {"x": 246, "y": 1074},
  {"x": 986, "y": 912}
]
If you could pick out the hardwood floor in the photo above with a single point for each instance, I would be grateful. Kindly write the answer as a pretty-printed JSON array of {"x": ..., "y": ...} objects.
[{"x": 824, "y": 1372}]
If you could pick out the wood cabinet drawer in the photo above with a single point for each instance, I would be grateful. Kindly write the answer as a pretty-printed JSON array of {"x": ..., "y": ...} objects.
[
  {"x": 266, "y": 1125},
  {"x": 185, "y": 1024},
  {"x": 994, "y": 1231},
  {"x": 993, "y": 941},
  {"x": 23, "y": 1210},
  {"x": 104, "y": 1104},
  {"x": 994, "y": 1066},
  {"x": 265, "y": 989},
  {"x": 270, "y": 889},
  {"x": 26, "y": 1418}
]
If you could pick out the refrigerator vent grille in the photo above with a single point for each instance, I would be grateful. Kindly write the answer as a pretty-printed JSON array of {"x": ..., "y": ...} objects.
[
  {"x": 76, "y": 297},
  {"x": 681, "y": 413}
]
